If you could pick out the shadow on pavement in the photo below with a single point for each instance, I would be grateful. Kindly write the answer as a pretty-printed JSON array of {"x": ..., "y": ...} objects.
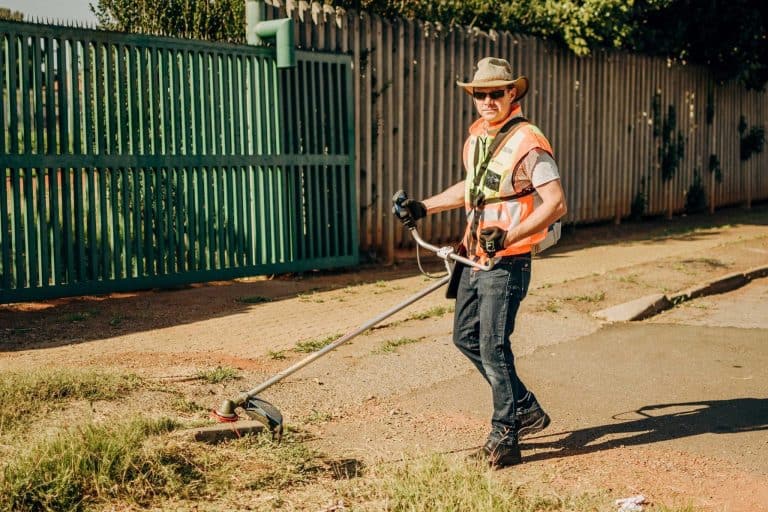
[{"x": 655, "y": 423}]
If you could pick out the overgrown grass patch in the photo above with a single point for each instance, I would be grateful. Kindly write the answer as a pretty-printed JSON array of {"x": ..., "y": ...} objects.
[
  {"x": 438, "y": 483},
  {"x": 316, "y": 344},
  {"x": 96, "y": 463},
  {"x": 31, "y": 392}
]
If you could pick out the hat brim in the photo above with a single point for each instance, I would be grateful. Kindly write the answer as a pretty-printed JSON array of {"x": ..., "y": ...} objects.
[{"x": 520, "y": 83}]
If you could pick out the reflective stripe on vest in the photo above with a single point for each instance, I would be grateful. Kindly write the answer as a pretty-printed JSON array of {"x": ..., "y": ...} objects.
[{"x": 498, "y": 184}]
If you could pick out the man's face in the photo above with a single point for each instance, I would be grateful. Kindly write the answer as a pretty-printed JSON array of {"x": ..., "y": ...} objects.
[{"x": 493, "y": 103}]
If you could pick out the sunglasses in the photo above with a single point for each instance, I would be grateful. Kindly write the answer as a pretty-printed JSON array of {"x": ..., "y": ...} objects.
[{"x": 495, "y": 95}]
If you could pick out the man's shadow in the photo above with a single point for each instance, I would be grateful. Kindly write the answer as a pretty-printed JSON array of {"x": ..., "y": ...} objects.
[{"x": 654, "y": 423}]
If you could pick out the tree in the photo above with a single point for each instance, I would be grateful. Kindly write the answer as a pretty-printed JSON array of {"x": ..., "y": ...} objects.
[
  {"x": 728, "y": 37},
  {"x": 220, "y": 20},
  {"x": 7, "y": 14}
]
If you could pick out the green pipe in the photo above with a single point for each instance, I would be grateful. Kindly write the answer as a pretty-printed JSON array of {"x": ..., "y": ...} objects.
[{"x": 281, "y": 30}]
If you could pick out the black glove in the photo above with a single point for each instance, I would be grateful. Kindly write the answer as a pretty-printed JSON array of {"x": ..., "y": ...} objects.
[
  {"x": 492, "y": 240},
  {"x": 408, "y": 211}
]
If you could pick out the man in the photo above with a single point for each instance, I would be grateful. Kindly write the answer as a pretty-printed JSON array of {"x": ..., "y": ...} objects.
[{"x": 511, "y": 196}]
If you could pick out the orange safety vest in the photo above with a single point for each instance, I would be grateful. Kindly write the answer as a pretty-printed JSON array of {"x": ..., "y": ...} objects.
[{"x": 497, "y": 186}]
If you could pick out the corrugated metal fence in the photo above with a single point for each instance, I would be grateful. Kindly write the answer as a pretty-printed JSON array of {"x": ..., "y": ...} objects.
[
  {"x": 604, "y": 114},
  {"x": 134, "y": 161}
]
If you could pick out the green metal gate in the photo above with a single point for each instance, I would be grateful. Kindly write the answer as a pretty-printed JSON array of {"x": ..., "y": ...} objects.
[{"x": 133, "y": 161}]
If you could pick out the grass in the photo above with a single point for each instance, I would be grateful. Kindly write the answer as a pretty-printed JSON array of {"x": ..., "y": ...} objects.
[
  {"x": 436, "y": 311},
  {"x": 277, "y": 355},
  {"x": 95, "y": 463},
  {"x": 551, "y": 306},
  {"x": 597, "y": 297},
  {"x": 315, "y": 345},
  {"x": 438, "y": 483},
  {"x": 391, "y": 345},
  {"x": 218, "y": 375},
  {"x": 35, "y": 391}
]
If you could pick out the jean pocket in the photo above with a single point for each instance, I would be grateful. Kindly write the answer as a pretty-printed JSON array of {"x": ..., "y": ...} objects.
[{"x": 520, "y": 277}]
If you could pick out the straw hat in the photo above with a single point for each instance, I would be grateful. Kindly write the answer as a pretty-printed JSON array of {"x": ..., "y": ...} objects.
[{"x": 493, "y": 72}]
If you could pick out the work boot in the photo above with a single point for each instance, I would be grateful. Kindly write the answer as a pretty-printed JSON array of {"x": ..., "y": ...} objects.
[
  {"x": 503, "y": 454},
  {"x": 532, "y": 421},
  {"x": 500, "y": 450}
]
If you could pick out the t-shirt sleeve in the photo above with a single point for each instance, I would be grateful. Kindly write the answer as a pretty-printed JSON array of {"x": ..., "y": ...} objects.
[{"x": 543, "y": 167}]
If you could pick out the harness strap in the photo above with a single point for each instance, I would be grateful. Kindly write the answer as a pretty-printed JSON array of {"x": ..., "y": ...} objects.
[{"x": 476, "y": 197}]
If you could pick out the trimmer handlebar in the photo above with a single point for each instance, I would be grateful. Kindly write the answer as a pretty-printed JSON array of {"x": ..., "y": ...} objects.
[{"x": 447, "y": 252}]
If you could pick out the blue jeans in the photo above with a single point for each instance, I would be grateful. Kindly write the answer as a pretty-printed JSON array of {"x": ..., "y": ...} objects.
[{"x": 486, "y": 306}]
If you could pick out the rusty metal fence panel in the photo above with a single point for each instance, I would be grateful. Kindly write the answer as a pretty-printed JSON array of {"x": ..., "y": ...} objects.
[{"x": 134, "y": 161}]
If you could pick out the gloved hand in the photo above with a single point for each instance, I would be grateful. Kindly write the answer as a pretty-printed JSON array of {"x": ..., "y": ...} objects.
[
  {"x": 492, "y": 240},
  {"x": 407, "y": 210}
]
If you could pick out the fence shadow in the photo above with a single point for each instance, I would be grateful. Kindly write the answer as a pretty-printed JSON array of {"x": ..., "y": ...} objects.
[
  {"x": 655, "y": 423},
  {"x": 72, "y": 320}
]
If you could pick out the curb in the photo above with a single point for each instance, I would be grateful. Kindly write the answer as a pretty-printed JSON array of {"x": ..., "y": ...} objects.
[{"x": 650, "y": 305}]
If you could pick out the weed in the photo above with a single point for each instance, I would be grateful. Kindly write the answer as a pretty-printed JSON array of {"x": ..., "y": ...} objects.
[
  {"x": 314, "y": 345},
  {"x": 218, "y": 375},
  {"x": 183, "y": 405},
  {"x": 391, "y": 345},
  {"x": 77, "y": 467},
  {"x": 597, "y": 297},
  {"x": 34, "y": 391},
  {"x": 631, "y": 279},
  {"x": 116, "y": 320},
  {"x": 438, "y": 483},
  {"x": 253, "y": 299},
  {"x": 310, "y": 297},
  {"x": 318, "y": 416},
  {"x": 76, "y": 317},
  {"x": 277, "y": 355},
  {"x": 552, "y": 306},
  {"x": 436, "y": 311}
]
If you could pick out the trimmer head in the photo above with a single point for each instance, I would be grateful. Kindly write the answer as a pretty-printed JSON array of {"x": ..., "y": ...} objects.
[{"x": 256, "y": 409}]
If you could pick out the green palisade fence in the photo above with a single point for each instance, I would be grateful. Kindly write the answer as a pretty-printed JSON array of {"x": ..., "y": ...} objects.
[{"x": 135, "y": 161}]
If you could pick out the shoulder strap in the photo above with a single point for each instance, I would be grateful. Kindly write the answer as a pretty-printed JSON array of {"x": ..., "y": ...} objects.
[{"x": 495, "y": 143}]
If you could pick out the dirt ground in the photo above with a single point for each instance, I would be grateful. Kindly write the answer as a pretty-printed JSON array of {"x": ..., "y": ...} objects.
[{"x": 402, "y": 388}]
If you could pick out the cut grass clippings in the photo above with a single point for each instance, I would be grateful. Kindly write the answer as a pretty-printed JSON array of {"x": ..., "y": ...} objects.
[{"x": 31, "y": 392}]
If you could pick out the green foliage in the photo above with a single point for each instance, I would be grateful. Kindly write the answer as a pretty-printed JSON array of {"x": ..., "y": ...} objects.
[
  {"x": 752, "y": 140},
  {"x": 696, "y": 197},
  {"x": 218, "y": 375},
  {"x": 678, "y": 29},
  {"x": 639, "y": 202},
  {"x": 220, "y": 20},
  {"x": 7, "y": 14},
  {"x": 714, "y": 167},
  {"x": 391, "y": 345},
  {"x": 314, "y": 345},
  {"x": 672, "y": 146}
]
